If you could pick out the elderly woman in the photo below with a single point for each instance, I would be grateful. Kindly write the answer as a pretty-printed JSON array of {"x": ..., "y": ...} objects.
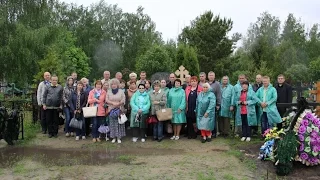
[
  {"x": 206, "y": 103},
  {"x": 132, "y": 77},
  {"x": 140, "y": 105},
  {"x": 245, "y": 110},
  {"x": 192, "y": 93},
  {"x": 177, "y": 101},
  {"x": 78, "y": 100},
  {"x": 97, "y": 98},
  {"x": 164, "y": 87},
  {"x": 115, "y": 99},
  {"x": 67, "y": 91},
  {"x": 158, "y": 100}
]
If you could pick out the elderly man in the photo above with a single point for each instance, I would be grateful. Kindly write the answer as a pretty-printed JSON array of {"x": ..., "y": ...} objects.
[
  {"x": 106, "y": 77},
  {"x": 52, "y": 101},
  {"x": 132, "y": 78},
  {"x": 203, "y": 78},
  {"x": 118, "y": 76},
  {"x": 255, "y": 87},
  {"x": 215, "y": 86},
  {"x": 225, "y": 113},
  {"x": 284, "y": 92},
  {"x": 41, "y": 88},
  {"x": 172, "y": 78}
]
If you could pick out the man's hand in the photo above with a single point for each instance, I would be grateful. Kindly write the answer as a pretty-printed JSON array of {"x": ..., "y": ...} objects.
[
  {"x": 231, "y": 108},
  {"x": 245, "y": 102},
  {"x": 217, "y": 107},
  {"x": 44, "y": 107},
  {"x": 179, "y": 111},
  {"x": 206, "y": 115}
]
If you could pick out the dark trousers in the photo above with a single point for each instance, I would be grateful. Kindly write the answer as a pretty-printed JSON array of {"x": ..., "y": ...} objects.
[
  {"x": 264, "y": 123},
  {"x": 246, "y": 130},
  {"x": 224, "y": 125},
  {"x": 139, "y": 132},
  {"x": 43, "y": 120},
  {"x": 87, "y": 125},
  {"x": 52, "y": 117},
  {"x": 255, "y": 128},
  {"x": 190, "y": 127}
]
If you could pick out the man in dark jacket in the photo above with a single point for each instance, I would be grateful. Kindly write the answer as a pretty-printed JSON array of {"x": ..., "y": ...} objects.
[
  {"x": 52, "y": 101},
  {"x": 284, "y": 92},
  {"x": 255, "y": 88},
  {"x": 172, "y": 78}
]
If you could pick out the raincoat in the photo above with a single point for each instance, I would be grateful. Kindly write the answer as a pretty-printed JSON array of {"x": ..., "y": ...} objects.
[
  {"x": 271, "y": 109},
  {"x": 139, "y": 101},
  {"x": 236, "y": 89},
  {"x": 227, "y": 93},
  {"x": 177, "y": 100},
  {"x": 206, "y": 103},
  {"x": 251, "y": 108},
  {"x": 165, "y": 90}
]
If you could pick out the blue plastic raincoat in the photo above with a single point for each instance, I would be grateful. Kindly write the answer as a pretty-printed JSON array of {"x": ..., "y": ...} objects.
[
  {"x": 227, "y": 93},
  {"x": 177, "y": 100},
  {"x": 271, "y": 100},
  {"x": 251, "y": 108},
  {"x": 236, "y": 89},
  {"x": 206, "y": 103},
  {"x": 139, "y": 101}
]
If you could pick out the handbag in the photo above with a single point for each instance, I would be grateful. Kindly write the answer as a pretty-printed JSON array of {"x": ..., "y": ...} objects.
[
  {"x": 89, "y": 112},
  {"x": 122, "y": 119},
  {"x": 152, "y": 120},
  {"x": 164, "y": 114},
  {"x": 103, "y": 129},
  {"x": 75, "y": 123}
]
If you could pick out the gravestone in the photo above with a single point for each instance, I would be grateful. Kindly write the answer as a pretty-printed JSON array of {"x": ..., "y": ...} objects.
[
  {"x": 159, "y": 76},
  {"x": 181, "y": 73}
]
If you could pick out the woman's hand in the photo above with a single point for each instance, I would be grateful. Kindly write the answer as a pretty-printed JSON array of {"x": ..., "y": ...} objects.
[
  {"x": 179, "y": 111},
  {"x": 206, "y": 115}
]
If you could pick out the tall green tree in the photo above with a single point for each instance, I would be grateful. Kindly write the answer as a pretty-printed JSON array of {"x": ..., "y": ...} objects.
[
  {"x": 187, "y": 56},
  {"x": 209, "y": 35}
]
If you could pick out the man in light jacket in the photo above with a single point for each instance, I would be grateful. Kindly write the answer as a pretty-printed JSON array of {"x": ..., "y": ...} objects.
[
  {"x": 216, "y": 89},
  {"x": 41, "y": 88}
]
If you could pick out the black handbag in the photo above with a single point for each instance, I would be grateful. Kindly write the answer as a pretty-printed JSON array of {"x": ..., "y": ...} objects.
[{"x": 76, "y": 123}]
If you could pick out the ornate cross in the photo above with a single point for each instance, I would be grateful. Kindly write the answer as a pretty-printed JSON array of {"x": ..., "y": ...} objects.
[{"x": 181, "y": 73}]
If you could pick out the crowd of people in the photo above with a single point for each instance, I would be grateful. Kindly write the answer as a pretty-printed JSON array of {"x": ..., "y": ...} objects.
[{"x": 204, "y": 106}]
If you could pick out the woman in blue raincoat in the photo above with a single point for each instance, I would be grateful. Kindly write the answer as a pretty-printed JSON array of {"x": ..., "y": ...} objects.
[
  {"x": 205, "y": 110},
  {"x": 177, "y": 102},
  {"x": 245, "y": 101},
  {"x": 225, "y": 110},
  {"x": 267, "y": 98}
]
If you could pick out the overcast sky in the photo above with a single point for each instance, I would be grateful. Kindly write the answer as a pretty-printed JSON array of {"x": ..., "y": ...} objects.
[{"x": 171, "y": 16}]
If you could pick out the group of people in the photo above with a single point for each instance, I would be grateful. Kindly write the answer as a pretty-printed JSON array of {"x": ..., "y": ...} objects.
[{"x": 203, "y": 106}]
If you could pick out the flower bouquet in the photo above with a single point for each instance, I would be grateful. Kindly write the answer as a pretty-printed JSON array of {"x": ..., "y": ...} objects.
[{"x": 307, "y": 130}]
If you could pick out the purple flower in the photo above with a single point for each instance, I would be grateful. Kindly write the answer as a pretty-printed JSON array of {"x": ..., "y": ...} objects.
[
  {"x": 313, "y": 141},
  {"x": 301, "y": 137},
  {"x": 305, "y": 122},
  {"x": 314, "y": 134},
  {"x": 316, "y": 148},
  {"x": 302, "y": 129},
  {"x": 315, "y": 121},
  {"x": 313, "y": 161},
  {"x": 304, "y": 156},
  {"x": 301, "y": 147},
  {"x": 308, "y": 116},
  {"x": 318, "y": 139}
]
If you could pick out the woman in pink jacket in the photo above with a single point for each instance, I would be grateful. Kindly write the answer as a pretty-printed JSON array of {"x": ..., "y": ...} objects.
[{"x": 97, "y": 98}]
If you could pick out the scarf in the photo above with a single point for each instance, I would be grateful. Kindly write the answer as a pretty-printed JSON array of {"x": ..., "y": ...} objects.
[
  {"x": 78, "y": 101},
  {"x": 115, "y": 91}
]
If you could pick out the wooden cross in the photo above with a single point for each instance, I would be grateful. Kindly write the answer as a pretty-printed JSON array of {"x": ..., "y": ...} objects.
[
  {"x": 317, "y": 93},
  {"x": 181, "y": 73}
]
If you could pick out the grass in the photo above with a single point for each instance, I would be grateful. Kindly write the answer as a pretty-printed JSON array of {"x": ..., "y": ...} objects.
[
  {"x": 30, "y": 130},
  {"x": 19, "y": 168},
  {"x": 127, "y": 159},
  {"x": 206, "y": 176},
  {"x": 229, "y": 177},
  {"x": 1, "y": 171}
]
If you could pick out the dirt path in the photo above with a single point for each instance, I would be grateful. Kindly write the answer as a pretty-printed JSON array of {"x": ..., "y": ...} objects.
[{"x": 64, "y": 158}]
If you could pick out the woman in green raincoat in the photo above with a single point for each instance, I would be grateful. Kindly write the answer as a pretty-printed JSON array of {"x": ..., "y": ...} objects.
[
  {"x": 225, "y": 111},
  {"x": 205, "y": 110},
  {"x": 245, "y": 110},
  {"x": 140, "y": 106},
  {"x": 267, "y": 98},
  {"x": 177, "y": 102}
]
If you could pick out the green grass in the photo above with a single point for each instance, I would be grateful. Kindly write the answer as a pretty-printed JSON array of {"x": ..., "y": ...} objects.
[
  {"x": 30, "y": 130},
  {"x": 1, "y": 171},
  {"x": 19, "y": 168},
  {"x": 206, "y": 176},
  {"x": 127, "y": 159},
  {"x": 229, "y": 177}
]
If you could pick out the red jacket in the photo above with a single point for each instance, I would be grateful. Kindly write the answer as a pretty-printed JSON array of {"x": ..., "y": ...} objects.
[{"x": 188, "y": 90}]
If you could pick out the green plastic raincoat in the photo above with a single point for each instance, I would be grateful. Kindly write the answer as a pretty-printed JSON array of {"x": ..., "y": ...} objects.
[
  {"x": 177, "y": 100},
  {"x": 271, "y": 100},
  {"x": 227, "y": 93},
  {"x": 139, "y": 101},
  {"x": 236, "y": 89},
  {"x": 251, "y": 108},
  {"x": 206, "y": 103}
]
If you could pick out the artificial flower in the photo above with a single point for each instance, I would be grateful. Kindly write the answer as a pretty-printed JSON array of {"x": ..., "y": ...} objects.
[{"x": 304, "y": 156}]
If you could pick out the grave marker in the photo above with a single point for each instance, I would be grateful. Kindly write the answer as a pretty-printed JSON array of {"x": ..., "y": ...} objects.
[{"x": 181, "y": 73}]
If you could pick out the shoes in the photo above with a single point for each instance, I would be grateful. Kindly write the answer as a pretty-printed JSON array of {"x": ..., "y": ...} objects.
[
  {"x": 77, "y": 138},
  {"x": 55, "y": 136},
  {"x": 203, "y": 140},
  {"x": 143, "y": 140},
  {"x": 72, "y": 134},
  {"x": 189, "y": 137},
  {"x": 98, "y": 140},
  {"x": 113, "y": 140},
  {"x": 155, "y": 139},
  {"x": 134, "y": 139},
  {"x": 67, "y": 134},
  {"x": 94, "y": 140},
  {"x": 176, "y": 138},
  {"x": 159, "y": 140},
  {"x": 209, "y": 139},
  {"x": 119, "y": 141},
  {"x": 50, "y": 135},
  {"x": 173, "y": 138},
  {"x": 83, "y": 137},
  {"x": 107, "y": 139},
  {"x": 214, "y": 135},
  {"x": 243, "y": 138},
  {"x": 248, "y": 139}
]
